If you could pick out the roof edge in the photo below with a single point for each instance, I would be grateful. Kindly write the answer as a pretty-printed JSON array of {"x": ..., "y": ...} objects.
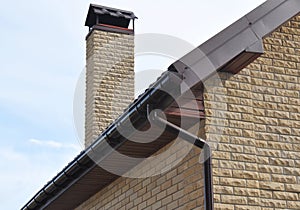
[{"x": 243, "y": 36}]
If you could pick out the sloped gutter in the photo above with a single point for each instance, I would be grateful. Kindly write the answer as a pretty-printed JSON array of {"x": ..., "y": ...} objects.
[{"x": 87, "y": 159}]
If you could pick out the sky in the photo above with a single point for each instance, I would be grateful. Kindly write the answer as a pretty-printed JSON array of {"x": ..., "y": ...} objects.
[{"x": 42, "y": 55}]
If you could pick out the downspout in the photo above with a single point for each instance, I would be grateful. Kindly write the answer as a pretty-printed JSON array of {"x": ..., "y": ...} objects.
[{"x": 187, "y": 136}]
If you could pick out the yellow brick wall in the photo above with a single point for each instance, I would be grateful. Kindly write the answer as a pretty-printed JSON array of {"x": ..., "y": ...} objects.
[
  {"x": 178, "y": 188},
  {"x": 109, "y": 79},
  {"x": 254, "y": 119}
]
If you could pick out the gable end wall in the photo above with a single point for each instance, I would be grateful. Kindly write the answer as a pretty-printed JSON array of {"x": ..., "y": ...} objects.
[{"x": 254, "y": 118}]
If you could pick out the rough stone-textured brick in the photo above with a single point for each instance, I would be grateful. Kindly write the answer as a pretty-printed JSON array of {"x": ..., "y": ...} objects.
[
  {"x": 263, "y": 143},
  {"x": 109, "y": 79}
]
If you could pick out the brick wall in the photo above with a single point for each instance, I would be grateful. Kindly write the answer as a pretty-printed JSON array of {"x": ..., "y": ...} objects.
[
  {"x": 178, "y": 188},
  {"x": 254, "y": 117},
  {"x": 253, "y": 122},
  {"x": 109, "y": 79}
]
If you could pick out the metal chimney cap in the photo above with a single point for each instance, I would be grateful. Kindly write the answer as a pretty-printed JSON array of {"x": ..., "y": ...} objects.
[{"x": 98, "y": 14}]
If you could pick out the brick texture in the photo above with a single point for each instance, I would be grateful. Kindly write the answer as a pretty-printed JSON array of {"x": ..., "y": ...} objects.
[
  {"x": 181, "y": 187},
  {"x": 255, "y": 161},
  {"x": 109, "y": 79}
]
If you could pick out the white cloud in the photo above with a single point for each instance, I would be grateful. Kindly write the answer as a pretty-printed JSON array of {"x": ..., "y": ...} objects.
[
  {"x": 29, "y": 171},
  {"x": 9, "y": 154},
  {"x": 54, "y": 144}
]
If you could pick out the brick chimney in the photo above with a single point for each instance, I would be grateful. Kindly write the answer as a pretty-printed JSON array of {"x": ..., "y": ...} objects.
[{"x": 109, "y": 67}]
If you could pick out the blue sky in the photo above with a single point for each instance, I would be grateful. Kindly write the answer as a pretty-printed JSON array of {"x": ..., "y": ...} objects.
[{"x": 42, "y": 55}]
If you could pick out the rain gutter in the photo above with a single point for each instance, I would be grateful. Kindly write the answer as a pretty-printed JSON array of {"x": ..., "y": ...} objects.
[{"x": 98, "y": 151}]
